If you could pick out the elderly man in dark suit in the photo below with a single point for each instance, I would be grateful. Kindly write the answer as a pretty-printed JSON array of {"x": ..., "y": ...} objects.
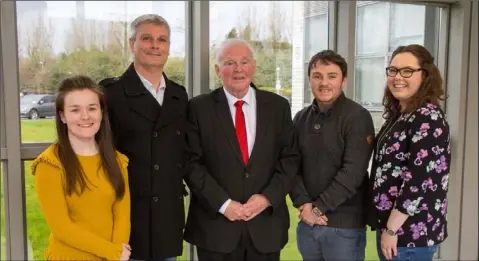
[
  {"x": 241, "y": 161},
  {"x": 147, "y": 112}
]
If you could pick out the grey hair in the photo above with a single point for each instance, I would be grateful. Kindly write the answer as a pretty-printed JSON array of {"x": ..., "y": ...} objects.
[
  {"x": 231, "y": 42},
  {"x": 148, "y": 19}
]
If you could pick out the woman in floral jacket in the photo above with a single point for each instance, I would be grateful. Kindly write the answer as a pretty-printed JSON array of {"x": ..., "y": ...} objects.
[{"x": 412, "y": 157}]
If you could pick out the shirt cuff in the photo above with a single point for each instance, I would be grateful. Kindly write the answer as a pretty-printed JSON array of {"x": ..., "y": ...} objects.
[{"x": 225, "y": 205}]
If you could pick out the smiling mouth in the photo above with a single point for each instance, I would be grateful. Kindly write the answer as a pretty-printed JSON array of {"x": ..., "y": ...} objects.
[
  {"x": 325, "y": 90},
  {"x": 239, "y": 78},
  {"x": 400, "y": 86},
  {"x": 85, "y": 125}
]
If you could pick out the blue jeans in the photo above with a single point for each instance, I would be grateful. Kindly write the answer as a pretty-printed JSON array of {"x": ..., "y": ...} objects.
[
  {"x": 408, "y": 253},
  {"x": 327, "y": 243}
]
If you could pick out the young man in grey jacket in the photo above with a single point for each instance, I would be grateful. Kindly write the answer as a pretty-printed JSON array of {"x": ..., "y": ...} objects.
[{"x": 335, "y": 137}]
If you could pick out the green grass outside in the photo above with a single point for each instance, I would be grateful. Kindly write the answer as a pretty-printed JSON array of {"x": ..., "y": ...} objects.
[{"x": 38, "y": 231}]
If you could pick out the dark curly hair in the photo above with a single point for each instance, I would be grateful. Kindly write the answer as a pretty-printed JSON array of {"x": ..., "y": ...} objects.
[{"x": 430, "y": 91}]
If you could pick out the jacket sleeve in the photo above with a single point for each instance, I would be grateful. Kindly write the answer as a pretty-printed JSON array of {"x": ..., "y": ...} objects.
[
  {"x": 358, "y": 146},
  {"x": 51, "y": 196},
  {"x": 288, "y": 163},
  {"x": 428, "y": 164},
  {"x": 209, "y": 193},
  {"x": 299, "y": 195},
  {"x": 121, "y": 209}
]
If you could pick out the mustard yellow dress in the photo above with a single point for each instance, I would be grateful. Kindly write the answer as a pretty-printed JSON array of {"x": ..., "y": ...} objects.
[{"x": 90, "y": 226}]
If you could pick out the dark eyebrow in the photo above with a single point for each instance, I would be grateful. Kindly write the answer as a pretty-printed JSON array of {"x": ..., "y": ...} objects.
[
  {"x": 76, "y": 106},
  {"x": 331, "y": 73},
  {"x": 406, "y": 67}
]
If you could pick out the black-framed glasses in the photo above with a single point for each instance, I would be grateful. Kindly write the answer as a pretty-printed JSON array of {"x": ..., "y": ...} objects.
[{"x": 404, "y": 72}]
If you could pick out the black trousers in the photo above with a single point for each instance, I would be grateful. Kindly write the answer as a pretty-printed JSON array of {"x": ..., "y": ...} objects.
[{"x": 245, "y": 251}]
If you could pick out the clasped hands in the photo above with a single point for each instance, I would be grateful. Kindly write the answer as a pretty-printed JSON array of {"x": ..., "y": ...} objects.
[
  {"x": 307, "y": 216},
  {"x": 236, "y": 211}
]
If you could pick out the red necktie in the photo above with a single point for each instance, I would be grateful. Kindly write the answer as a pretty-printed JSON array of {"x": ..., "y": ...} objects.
[{"x": 241, "y": 130}]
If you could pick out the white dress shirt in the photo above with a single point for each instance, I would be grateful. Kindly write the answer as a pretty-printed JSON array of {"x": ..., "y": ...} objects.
[
  {"x": 158, "y": 95},
  {"x": 249, "y": 111}
]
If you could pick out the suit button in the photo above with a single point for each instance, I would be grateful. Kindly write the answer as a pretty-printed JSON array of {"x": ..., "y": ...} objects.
[
  {"x": 178, "y": 133},
  {"x": 180, "y": 197},
  {"x": 179, "y": 165},
  {"x": 246, "y": 175},
  {"x": 156, "y": 167},
  {"x": 317, "y": 126},
  {"x": 155, "y": 134},
  {"x": 155, "y": 199}
]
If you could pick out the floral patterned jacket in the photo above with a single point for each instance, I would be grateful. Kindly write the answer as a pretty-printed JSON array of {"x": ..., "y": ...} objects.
[{"x": 410, "y": 173}]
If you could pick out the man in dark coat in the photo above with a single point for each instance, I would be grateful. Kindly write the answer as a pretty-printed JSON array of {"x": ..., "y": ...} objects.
[
  {"x": 148, "y": 113},
  {"x": 241, "y": 162}
]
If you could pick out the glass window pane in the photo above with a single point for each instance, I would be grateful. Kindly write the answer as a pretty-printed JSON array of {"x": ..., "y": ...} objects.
[
  {"x": 377, "y": 36},
  {"x": 406, "y": 31},
  {"x": 372, "y": 28},
  {"x": 62, "y": 38},
  {"x": 269, "y": 36},
  {"x": 316, "y": 35},
  {"x": 370, "y": 82},
  {"x": 273, "y": 37}
]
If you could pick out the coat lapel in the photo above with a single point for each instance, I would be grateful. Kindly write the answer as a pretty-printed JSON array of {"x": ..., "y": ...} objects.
[
  {"x": 139, "y": 99},
  {"x": 224, "y": 116},
  {"x": 171, "y": 108}
]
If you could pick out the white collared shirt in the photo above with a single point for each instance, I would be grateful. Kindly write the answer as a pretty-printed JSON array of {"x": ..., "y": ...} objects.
[
  {"x": 249, "y": 110},
  {"x": 158, "y": 95}
]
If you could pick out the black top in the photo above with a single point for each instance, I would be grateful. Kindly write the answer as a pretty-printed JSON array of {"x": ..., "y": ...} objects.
[
  {"x": 411, "y": 170},
  {"x": 153, "y": 139},
  {"x": 335, "y": 147}
]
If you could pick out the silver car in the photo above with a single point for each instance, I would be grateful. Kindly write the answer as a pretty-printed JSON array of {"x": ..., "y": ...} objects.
[{"x": 34, "y": 106}]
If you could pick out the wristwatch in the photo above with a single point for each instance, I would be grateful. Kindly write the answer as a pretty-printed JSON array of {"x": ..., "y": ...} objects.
[
  {"x": 390, "y": 232},
  {"x": 317, "y": 212}
]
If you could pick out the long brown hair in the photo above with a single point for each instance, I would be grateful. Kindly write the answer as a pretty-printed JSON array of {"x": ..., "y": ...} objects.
[
  {"x": 76, "y": 181},
  {"x": 430, "y": 91}
]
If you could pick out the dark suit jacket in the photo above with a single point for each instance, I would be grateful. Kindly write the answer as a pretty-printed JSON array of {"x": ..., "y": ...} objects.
[
  {"x": 152, "y": 137},
  {"x": 216, "y": 172}
]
